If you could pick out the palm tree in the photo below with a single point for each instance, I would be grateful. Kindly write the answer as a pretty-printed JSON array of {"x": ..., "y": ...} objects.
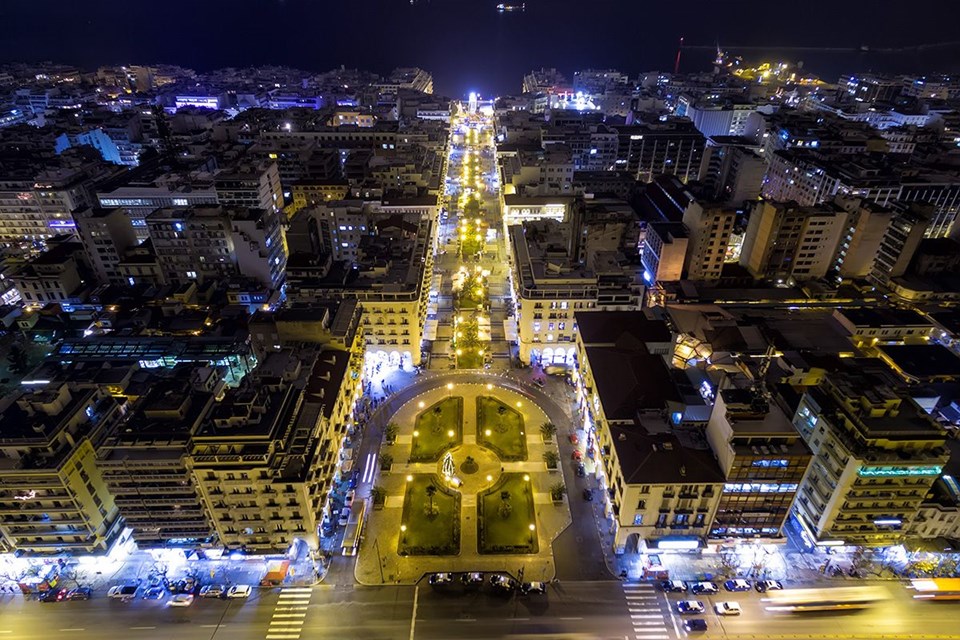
[
  {"x": 431, "y": 508},
  {"x": 505, "y": 506},
  {"x": 557, "y": 491},
  {"x": 378, "y": 494},
  {"x": 548, "y": 430},
  {"x": 391, "y": 432},
  {"x": 551, "y": 458},
  {"x": 385, "y": 461}
]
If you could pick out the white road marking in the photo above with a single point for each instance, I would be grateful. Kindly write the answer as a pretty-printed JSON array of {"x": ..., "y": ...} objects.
[
  {"x": 646, "y": 615},
  {"x": 413, "y": 616},
  {"x": 296, "y": 590},
  {"x": 289, "y": 615},
  {"x": 72, "y": 629},
  {"x": 572, "y": 618},
  {"x": 652, "y": 636},
  {"x": 293, "y": 608},
  {"x": 272, "y": 636}
]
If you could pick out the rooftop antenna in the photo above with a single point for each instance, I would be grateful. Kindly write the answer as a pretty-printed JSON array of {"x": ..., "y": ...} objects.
[{"x": 676, "y": 65}]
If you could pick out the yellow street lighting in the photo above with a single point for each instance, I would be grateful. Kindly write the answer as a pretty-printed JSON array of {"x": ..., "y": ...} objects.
[
  {"x": 450, "y": 433},
  {"x": 459, "y": 352},
  {"x": 489, "y": 386},
  {"x": 487, "y": 432},
  {"x": 409, "y": 478},
  {"x": 518, "y": 403},
  {"x": 421, "y": 404},
  {"x": 533, "y": 527},
  {"x": 489, "y": 478},
  {"x": 526, "y": 478},
  {"x": 416, "y": 434},
  {"x": 403, "y": 527},
  {"x": 449, "y": 385}
]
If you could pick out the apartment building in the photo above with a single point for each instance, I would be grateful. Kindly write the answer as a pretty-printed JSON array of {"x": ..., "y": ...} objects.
[
  {"x": 212, "y": 243},
  {"x": 36, "y": 203},
  {"x": 53, "y": 498},
  {"x": 265, "y": 460},
  {"x": 55, "y": 276},
  {"x": 250, "y": 185},
  {"x": 709, "y": 227},
  {"x": 140, "y": 197},
  {"x": 106, "y": 235},
  {"x": 672, "y": 147},
  {"x": 789, "y": 242},
  {"x": 549, "y": 286},
  {"x": 144, "y": 463},
  {"x": 664, "y": 252},
  {"x": 876, "y": 455},
  {"x": 661, "y": 482},
  {"x": 390, "y": 278},
  {"x": 868, "y": 326},
  {"x": 763, "y": 458}
]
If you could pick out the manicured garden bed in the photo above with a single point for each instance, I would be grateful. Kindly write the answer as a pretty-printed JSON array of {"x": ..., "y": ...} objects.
[
  {"x": 430, "y": 525},
  {"x": 500, "y": 428},
  {"x": 438, "y": 428},
  {"x": 505, "y": 513}
]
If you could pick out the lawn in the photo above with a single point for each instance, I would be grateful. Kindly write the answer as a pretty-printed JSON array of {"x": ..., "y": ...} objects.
[
  {"x": 470, "y": 360},
  {"x": 432, "y": 435},
  {"x": 429, "y": 533},
  {"x": 507, "y": 529},
  {"x": 500, "y": 428}
]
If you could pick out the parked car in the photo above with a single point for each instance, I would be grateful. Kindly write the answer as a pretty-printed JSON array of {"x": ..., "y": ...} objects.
[
  {"x": 768, "y": 585},
  {"x": 674, "y": 586},
  {"x": 538, "y": 382},
  {"x": 533, "y": 588},
  {"x": 574, "y": 438},
  {"x": 437, "y": 579},
  {"x": 727, "y": 608},
  {"x": 695, "y": 624},
  {"x": 344, "y": 516},
  {"x": 122, "y": 592},
  {"x": 690, "y": 606},
  {"x": 581, "y": 470},
  {"x": 239, "y": 591},
  {"x": 181, "y": 600},
  {"x": 80, "y": 593},
  {"x": 53, "y": 595},
  {"x": 577, "y": 455},
  {"x": 503, "y": 583},
  {"x": 736, "y": 585},
  {"x": 213, "y": 591},
  {"x": 348, "y": 498},
  {"x": 472, "y": 579},
  {"x": 153, "y": 593},
  {"x": 704, "y": 587}
]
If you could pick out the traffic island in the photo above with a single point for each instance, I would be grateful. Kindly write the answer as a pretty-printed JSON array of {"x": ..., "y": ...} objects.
[
  {"x": 507, "y": 517},
  {"x": 437, "y": 429},
  {"x": 500, "y": 428},
  {"x": 430, "y": 525}
]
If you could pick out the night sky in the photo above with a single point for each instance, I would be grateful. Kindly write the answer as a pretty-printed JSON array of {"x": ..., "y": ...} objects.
[{"x": 466, "y": 43}]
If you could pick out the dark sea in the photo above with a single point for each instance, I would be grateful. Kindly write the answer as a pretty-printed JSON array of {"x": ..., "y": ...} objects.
[{"x": 468, "y": 45}]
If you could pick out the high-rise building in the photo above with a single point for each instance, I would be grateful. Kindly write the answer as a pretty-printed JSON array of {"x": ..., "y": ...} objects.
[
  {"x": 764, "y": 459},
  {"x": 52, "y": 494},
  {"x": 106, "y": 235},
  {"x": 785, "y": 241},
  {"x": 709, "y": 227},
  {"x": 876, "y": 454},
  {"x": 672, "y": 147}
]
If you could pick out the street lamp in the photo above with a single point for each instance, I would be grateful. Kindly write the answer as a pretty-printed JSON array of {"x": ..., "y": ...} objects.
[
  {"x": 526, "y": 478},
  {"x": 409, "y": 478},
  {"x": 532, "y": 529},
  {"x": 403, "y": 533}
]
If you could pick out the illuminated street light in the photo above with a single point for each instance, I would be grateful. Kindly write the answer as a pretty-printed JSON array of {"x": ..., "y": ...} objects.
[
  {"x": 526, "y": 478},
  {"x": 416, "y": 434},
  {"x": 450, "y": 433},
  {"x": 409, "y": 478}
]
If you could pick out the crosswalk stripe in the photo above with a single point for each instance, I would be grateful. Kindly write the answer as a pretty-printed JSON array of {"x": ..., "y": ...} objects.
[
  {"x": 638, "y": 585},
  {"x": 648, "y": 623},
  {"x": 647, "y": 615},
  {"x": 289, "y": 615},
  {"x": 655, "y": 636},
  {"x": 285, "y": 636},
  {"x": 295, "y": 596},
  {"x": 631, "y": 596},
  {"x": 287, "y": 623},
  {"x": 642, "y": 609},
  {"x": 296, "y": 589},
  {"x": 301, "y": 607}
]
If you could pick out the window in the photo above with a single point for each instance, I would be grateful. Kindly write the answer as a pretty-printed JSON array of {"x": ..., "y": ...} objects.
[
  {"x": 641, "y": 505},
  {"x": 192, "y": 275},
  {"x": 638, "y": 519}
]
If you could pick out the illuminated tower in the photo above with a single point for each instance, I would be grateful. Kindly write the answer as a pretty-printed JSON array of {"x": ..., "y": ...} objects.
[{"x": 473, "y": 102}]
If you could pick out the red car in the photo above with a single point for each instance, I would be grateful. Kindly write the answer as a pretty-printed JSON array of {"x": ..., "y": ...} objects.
[
  {"x": 577, "y": 455},
  {"x": 574, "y": 439}
]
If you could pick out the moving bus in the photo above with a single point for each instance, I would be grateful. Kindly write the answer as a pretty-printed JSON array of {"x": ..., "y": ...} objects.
[
  {"x": 832, "y": 599},
  {"x": 351, "y": 535},
  {"x": 936, "y": 588}
]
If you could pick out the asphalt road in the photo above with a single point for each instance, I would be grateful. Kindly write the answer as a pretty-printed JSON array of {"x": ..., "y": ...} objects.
[{"x": 601, "y": 610}]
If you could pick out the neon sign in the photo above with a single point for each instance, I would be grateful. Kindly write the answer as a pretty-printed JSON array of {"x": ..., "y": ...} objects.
[{"x": 891, "y": 472}]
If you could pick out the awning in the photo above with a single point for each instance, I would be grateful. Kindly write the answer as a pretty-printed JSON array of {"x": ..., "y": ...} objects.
[
  {"x": 430, "y": 329},
  {"x": 510, "y": 330}
]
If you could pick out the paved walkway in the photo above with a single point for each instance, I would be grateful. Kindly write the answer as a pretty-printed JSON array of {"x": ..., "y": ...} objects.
[{"x": 378, "y": 561}]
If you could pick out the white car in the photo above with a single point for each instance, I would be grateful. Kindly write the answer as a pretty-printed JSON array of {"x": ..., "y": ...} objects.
[
  {"x": 239, "y": 591},
  {"x": 727, "y": 608},
  {"x": 348, "y": 498},
  {"x": 181, "y": 600}
]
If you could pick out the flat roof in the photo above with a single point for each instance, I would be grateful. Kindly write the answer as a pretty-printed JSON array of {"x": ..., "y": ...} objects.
[
  {"x": 923, "y": 360},
  {"x": 609, "y": 327},
  {"x": 629, "y": 381},
  {"x": 679, "y": 457}
]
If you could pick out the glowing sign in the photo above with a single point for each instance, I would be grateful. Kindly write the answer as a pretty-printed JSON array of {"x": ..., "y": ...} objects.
[
  {"x": 62, "y": 224},
  {"x": 890, "y": 472}
]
